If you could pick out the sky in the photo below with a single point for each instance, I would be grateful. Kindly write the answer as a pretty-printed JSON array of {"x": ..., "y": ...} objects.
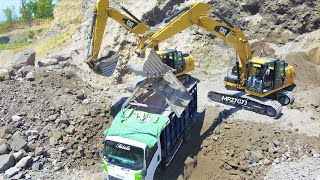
[{"x": 11, "y": 3}]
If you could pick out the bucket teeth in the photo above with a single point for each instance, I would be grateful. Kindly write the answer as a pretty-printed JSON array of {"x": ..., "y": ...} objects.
[
  {"x": 150, "y": 67},
  {"x": 107, "y": 65}
]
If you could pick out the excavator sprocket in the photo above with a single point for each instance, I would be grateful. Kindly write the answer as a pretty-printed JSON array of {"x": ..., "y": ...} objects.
[{"x": 263, "y": 106}]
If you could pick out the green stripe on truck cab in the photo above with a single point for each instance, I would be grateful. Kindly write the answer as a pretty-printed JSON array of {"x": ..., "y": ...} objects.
[{"x": 105, "y": 166}]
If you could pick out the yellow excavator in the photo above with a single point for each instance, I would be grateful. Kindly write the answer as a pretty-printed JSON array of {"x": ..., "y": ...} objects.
[
  {"x": 261, "y": 80},
  {"x": 181, "y": 63}
]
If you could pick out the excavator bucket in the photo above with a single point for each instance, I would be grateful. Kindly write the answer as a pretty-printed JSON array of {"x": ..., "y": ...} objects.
[
  {"x": 107, "y": 65},
  {"x": 174, "y": 93},
  {"x": 151, "y": 66}
]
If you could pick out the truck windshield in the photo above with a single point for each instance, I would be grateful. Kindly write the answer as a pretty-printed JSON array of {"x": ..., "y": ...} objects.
[{"x": 123, "y": 155}]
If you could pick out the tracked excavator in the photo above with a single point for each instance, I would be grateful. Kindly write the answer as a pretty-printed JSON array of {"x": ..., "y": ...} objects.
[
  {"x": 261, "y": 81},
  {"x": 181, "y": 63}
]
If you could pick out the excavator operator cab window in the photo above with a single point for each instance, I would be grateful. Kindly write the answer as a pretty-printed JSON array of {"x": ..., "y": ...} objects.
[
  {"x": 175, "y": 60},
  {"x": 255, "y": 77}
]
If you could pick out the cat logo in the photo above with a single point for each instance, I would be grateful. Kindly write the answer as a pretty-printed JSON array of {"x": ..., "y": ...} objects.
[
  {"x": 224, "y": 31},
  {"x": 129, "y": 23}
]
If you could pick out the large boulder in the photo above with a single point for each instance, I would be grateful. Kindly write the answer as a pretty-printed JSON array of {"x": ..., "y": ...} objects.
[
  {"x": 6, "y": 161},
  {"x": 19, "y": 155},
  {"x": 25, "y": 70},
  {"x": 4, "y": 40},
  {"x": 3, "y": 131},
  {"x": 4, "y": 74},
  {"x": 24, "y": 162},
  {"x": 24, "y": 59},
  {"x": 3, "y": 149},
  {"x": 18, "y": 143},
  {"x": 31, "y": 76},
  {"x": 48, "y": 62},
  {"x": 12, "y": 172},
  {"x": 61, "y": 57}
]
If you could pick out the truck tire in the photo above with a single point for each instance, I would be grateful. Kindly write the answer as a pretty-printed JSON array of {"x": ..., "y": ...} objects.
[{"x": 187, "y": 134}]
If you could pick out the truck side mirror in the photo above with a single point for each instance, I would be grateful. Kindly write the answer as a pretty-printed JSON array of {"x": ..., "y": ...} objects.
[{"x": 143, "y": 173}]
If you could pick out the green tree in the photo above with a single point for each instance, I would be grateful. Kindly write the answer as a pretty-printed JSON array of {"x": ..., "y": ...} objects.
[
  {"x": 44, "y": 9},
  {"x": 32, "y": 6},
  {"x": 8, "y": 12},
  {"x": 25, "y": 12}
]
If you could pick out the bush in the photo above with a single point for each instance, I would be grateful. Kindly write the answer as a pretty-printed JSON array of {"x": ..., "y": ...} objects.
[{"x": 31, "y": 34}]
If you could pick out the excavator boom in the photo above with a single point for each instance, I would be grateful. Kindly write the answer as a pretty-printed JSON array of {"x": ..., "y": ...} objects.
[
  {"x": 196, "y": 14},
  {"x": 101, "y": 14}
]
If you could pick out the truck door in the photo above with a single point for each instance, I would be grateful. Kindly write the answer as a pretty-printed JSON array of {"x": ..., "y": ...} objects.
[
  {"x": 280, "y": 75},
  {"x": 153, "y": 159}
]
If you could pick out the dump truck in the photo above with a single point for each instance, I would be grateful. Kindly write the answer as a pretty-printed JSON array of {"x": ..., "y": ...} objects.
[{"x": 146, "y": 134}]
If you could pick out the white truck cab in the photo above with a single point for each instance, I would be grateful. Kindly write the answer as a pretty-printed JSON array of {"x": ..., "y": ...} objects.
[{"x": 129, "y": 159}]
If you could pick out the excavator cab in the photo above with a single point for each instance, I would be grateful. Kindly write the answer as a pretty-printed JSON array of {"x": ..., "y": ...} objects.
[
  {"x": 265, "y": 74},
  {"x": 173, "y": 58}
]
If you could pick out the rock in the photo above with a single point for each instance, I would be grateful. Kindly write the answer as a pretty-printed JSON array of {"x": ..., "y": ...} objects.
[
  {"x": 18, "y": 143},
  {"x": 86, "y": 101},
  {"x": 32, "y": 134},
  {"x": 232, "y": 163},
  {"x": 31, "y": 76},
  {"x": 227, "y": 126},
  {"x": 255, "y": 156},
  {"x": 4, "y": 39},
  {"x": 24, "y": 162},
  {"x": 19, "y": 176},
  {"x": 53, "y": 141},
  {"x": 276, "y": 142},
  {"x": 11, "y": 172},
  {"x": 3, "y": 131},
  {"x": 81, "y": 95},
  {"x": 70, "y": 129},
  {"x": 39, "y": 151},
  {"x": 57, "y": 135},
  {"x": 4, "y": 74},
  {"x": 265, "y": 146},
  {"x": 6, "y": 161},
  {"x": 37, "y": 166},
  {"x": 273, "y": 150},
  {"x": 24, "y": 59},
  {"x": 247, "y": 154},
  {"x": 19, "y": 155},
  {"x": 276, "y": 161},
  {"x": 25, "y": 70},
  {"x": 244, "y": 167},
  {"x": 3, "y": 141},
  {"x": 61, "y": 57},
  {"x": 189, "y": 165},
  {"x": 16, "y": 118},
  {"x": 3, "y": 149},
  {"x": 215, "y": 138},
  {"x": 47, "y": 62},
  {"x": 266, "y": 162},
  {"x": 62, "y": 149}
]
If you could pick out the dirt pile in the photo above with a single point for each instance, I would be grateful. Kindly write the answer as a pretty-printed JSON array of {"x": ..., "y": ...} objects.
[
  {"x": 58, "y": 118},
  {"x": 240, "y": 150}
]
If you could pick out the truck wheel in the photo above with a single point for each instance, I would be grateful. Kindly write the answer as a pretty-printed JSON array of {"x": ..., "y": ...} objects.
[{"x": 187, "y": 134}]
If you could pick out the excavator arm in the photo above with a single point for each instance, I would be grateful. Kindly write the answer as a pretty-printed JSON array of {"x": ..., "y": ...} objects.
[
  {"x": 232, "y": 36},
  {"x": 102, "y": 12},
  {"x": 196, "y": 14}
]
